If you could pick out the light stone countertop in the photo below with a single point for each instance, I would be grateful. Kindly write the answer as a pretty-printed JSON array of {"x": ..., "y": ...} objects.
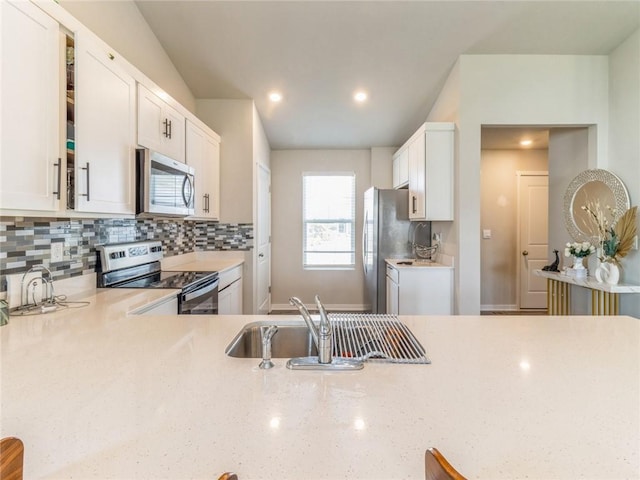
[
  {"x": 589, "y": 282},
  {"x": 441, "y": 260},
  {"x": 95, "y": 393},
  {"x": 401, "y": 263},
  {"x": 203, "y": 261}
]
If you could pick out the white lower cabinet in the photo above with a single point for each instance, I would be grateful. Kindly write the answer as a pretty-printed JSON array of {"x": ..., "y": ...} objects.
[
  {"x": 419, "y": 290},
  {"x": 168, "y": 306},
  {"x": 393, "y": 291},
  {"x": 230, "y": 292}
]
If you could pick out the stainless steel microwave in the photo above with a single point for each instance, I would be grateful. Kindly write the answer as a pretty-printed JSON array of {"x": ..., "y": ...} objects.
[{"x": 165, "y": 187}]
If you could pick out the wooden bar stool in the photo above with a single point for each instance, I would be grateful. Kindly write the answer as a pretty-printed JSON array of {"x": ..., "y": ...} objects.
[
  {"x": 11, "y": 458},
  {"x": 436, "y": 467},
  {"x": 228, "y": 476}
]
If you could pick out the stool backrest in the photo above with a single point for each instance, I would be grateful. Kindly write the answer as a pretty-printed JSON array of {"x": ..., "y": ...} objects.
[
  {"x": 11, "y": 458},
  {"x": 437, "y": 467}
]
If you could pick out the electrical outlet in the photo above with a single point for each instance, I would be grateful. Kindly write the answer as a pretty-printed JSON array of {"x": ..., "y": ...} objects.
[{"x": 57, "y": 252}]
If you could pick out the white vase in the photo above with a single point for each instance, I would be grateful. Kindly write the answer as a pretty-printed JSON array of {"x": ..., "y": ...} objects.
[
  {"x": 608, "y": 272},
  {"x": 577, "y": 263}
]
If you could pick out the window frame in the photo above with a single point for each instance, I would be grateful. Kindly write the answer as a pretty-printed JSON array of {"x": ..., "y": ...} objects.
[{"x": 352, "y": 221}]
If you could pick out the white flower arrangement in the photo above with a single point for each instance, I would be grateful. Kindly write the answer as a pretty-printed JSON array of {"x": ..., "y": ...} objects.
[
  {"x": 615, "y": 237},
  {"x": 579, "y": 249}
]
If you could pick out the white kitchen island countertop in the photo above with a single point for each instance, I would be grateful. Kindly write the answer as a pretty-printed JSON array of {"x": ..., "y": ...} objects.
[{"x": 95, "y": 393}]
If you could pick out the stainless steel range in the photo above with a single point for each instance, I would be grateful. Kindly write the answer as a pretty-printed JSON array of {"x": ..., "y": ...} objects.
[{"x": 137, "y": 265}]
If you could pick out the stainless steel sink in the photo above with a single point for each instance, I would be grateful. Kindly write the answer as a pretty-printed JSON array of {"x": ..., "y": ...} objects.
[
  {"x": 361, "y": 337},
  {"x": 292, "y": 340}
]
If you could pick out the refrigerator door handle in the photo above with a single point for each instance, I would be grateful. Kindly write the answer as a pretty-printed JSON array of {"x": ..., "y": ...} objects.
[{"x": 364, "y": 242}]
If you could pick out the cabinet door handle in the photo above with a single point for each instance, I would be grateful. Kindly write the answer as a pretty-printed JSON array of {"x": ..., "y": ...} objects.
[
  {"x": 59, "y": 182},
  {"x": 111, "y": 56},
  {"x": 414, "y": 207},
  {"x": 365, "y": 241},
  {"x": 88, "y": 177},
  {"x": 206, "y": 203},
  {"x": 167, "y": 128}
]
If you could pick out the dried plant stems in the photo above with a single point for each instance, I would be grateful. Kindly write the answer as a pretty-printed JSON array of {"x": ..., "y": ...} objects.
[{"x": 625, "y": 229}]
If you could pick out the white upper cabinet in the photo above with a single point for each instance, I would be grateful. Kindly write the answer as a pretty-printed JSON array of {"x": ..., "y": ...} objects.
[
  {"x": 203, "y": 154},
  {"x": 105, "y": 130},
  {"x": 401, "y": 168},
  {"x": 160, "y": 126},
  {"x": 416, "y": 176},
  {"x": 431, "y": 157},
  {"x": 31, "y": 176}
]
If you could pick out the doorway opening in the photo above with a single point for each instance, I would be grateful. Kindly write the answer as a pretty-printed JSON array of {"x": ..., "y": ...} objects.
[
  {"x": 513, "y": 218},
  {"x": 562, "y": 151}
]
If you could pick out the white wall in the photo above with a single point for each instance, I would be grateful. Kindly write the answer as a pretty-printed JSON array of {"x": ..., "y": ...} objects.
[
  {"x": 512, "y": 90},
  {"x": 233, "y": 121},
  {"x": 568, "y": 156},
  {"x": 337, "y": 288},
  {"x": 243, "y": 144},
  {"x": 261, "y": 147},
  {"x": 261, "y": 156},
  {"x": 624, "y": 144},
  {"x": 499, "y": 213},
  {"x": 447, "y": 109},
  {"x": 382, "y": 166},
  {"x": 121, "y": 25}
]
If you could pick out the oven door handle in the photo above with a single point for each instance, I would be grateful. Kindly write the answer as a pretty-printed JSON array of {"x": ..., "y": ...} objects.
[
  {"x": 199, "y": 292},
  {"x": 185, "y": 182}
]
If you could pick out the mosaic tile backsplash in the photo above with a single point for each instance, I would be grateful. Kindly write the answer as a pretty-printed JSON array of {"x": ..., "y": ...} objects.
[{"x": 25, "y": 242}]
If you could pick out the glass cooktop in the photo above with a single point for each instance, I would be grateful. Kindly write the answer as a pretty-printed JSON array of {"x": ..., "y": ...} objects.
[{"x": 177, "y": 280}]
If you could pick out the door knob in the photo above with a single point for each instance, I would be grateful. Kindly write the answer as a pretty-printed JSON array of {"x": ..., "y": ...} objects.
[{"x": 525, "y": 253}]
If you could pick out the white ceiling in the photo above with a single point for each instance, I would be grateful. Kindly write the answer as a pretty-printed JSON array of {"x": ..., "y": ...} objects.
[
  {"x": 318, "y": 53},
  {"x": 509, "y": 138}
]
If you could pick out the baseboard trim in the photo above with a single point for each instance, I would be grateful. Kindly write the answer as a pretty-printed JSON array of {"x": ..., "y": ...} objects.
[{"x": 498, "y": 308}]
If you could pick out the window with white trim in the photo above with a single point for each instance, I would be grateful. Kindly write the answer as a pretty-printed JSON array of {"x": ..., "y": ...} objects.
[{"x": 329, "y": 220}]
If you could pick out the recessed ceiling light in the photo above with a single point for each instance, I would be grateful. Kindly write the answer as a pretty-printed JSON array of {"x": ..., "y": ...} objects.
[
  {"x": 275, "y": 96},
  {"x": 526, "y": 143},
  {"x": 360, "y": 96}
]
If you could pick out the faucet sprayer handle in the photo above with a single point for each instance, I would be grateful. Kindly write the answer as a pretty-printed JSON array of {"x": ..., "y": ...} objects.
[{"x": 267, "y": 334}]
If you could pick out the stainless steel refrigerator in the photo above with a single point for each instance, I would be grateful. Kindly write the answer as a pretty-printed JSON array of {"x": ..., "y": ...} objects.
[{"x": 387, "y": 233}]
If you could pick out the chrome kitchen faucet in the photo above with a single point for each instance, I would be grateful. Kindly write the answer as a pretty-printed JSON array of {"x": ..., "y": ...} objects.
[{"x": 321, "y": 335}]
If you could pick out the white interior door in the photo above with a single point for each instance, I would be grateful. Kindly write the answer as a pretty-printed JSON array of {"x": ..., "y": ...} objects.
[
  {"x": 263, "y": 240},
  {"x": 533, "y": 212}
]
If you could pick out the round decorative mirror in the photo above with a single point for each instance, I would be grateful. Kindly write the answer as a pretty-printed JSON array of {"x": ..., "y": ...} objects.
[{"x": 590, "y": 186}]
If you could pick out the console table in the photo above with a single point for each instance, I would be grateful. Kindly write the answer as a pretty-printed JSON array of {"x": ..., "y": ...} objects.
[{"x": 604, "y": 297}]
